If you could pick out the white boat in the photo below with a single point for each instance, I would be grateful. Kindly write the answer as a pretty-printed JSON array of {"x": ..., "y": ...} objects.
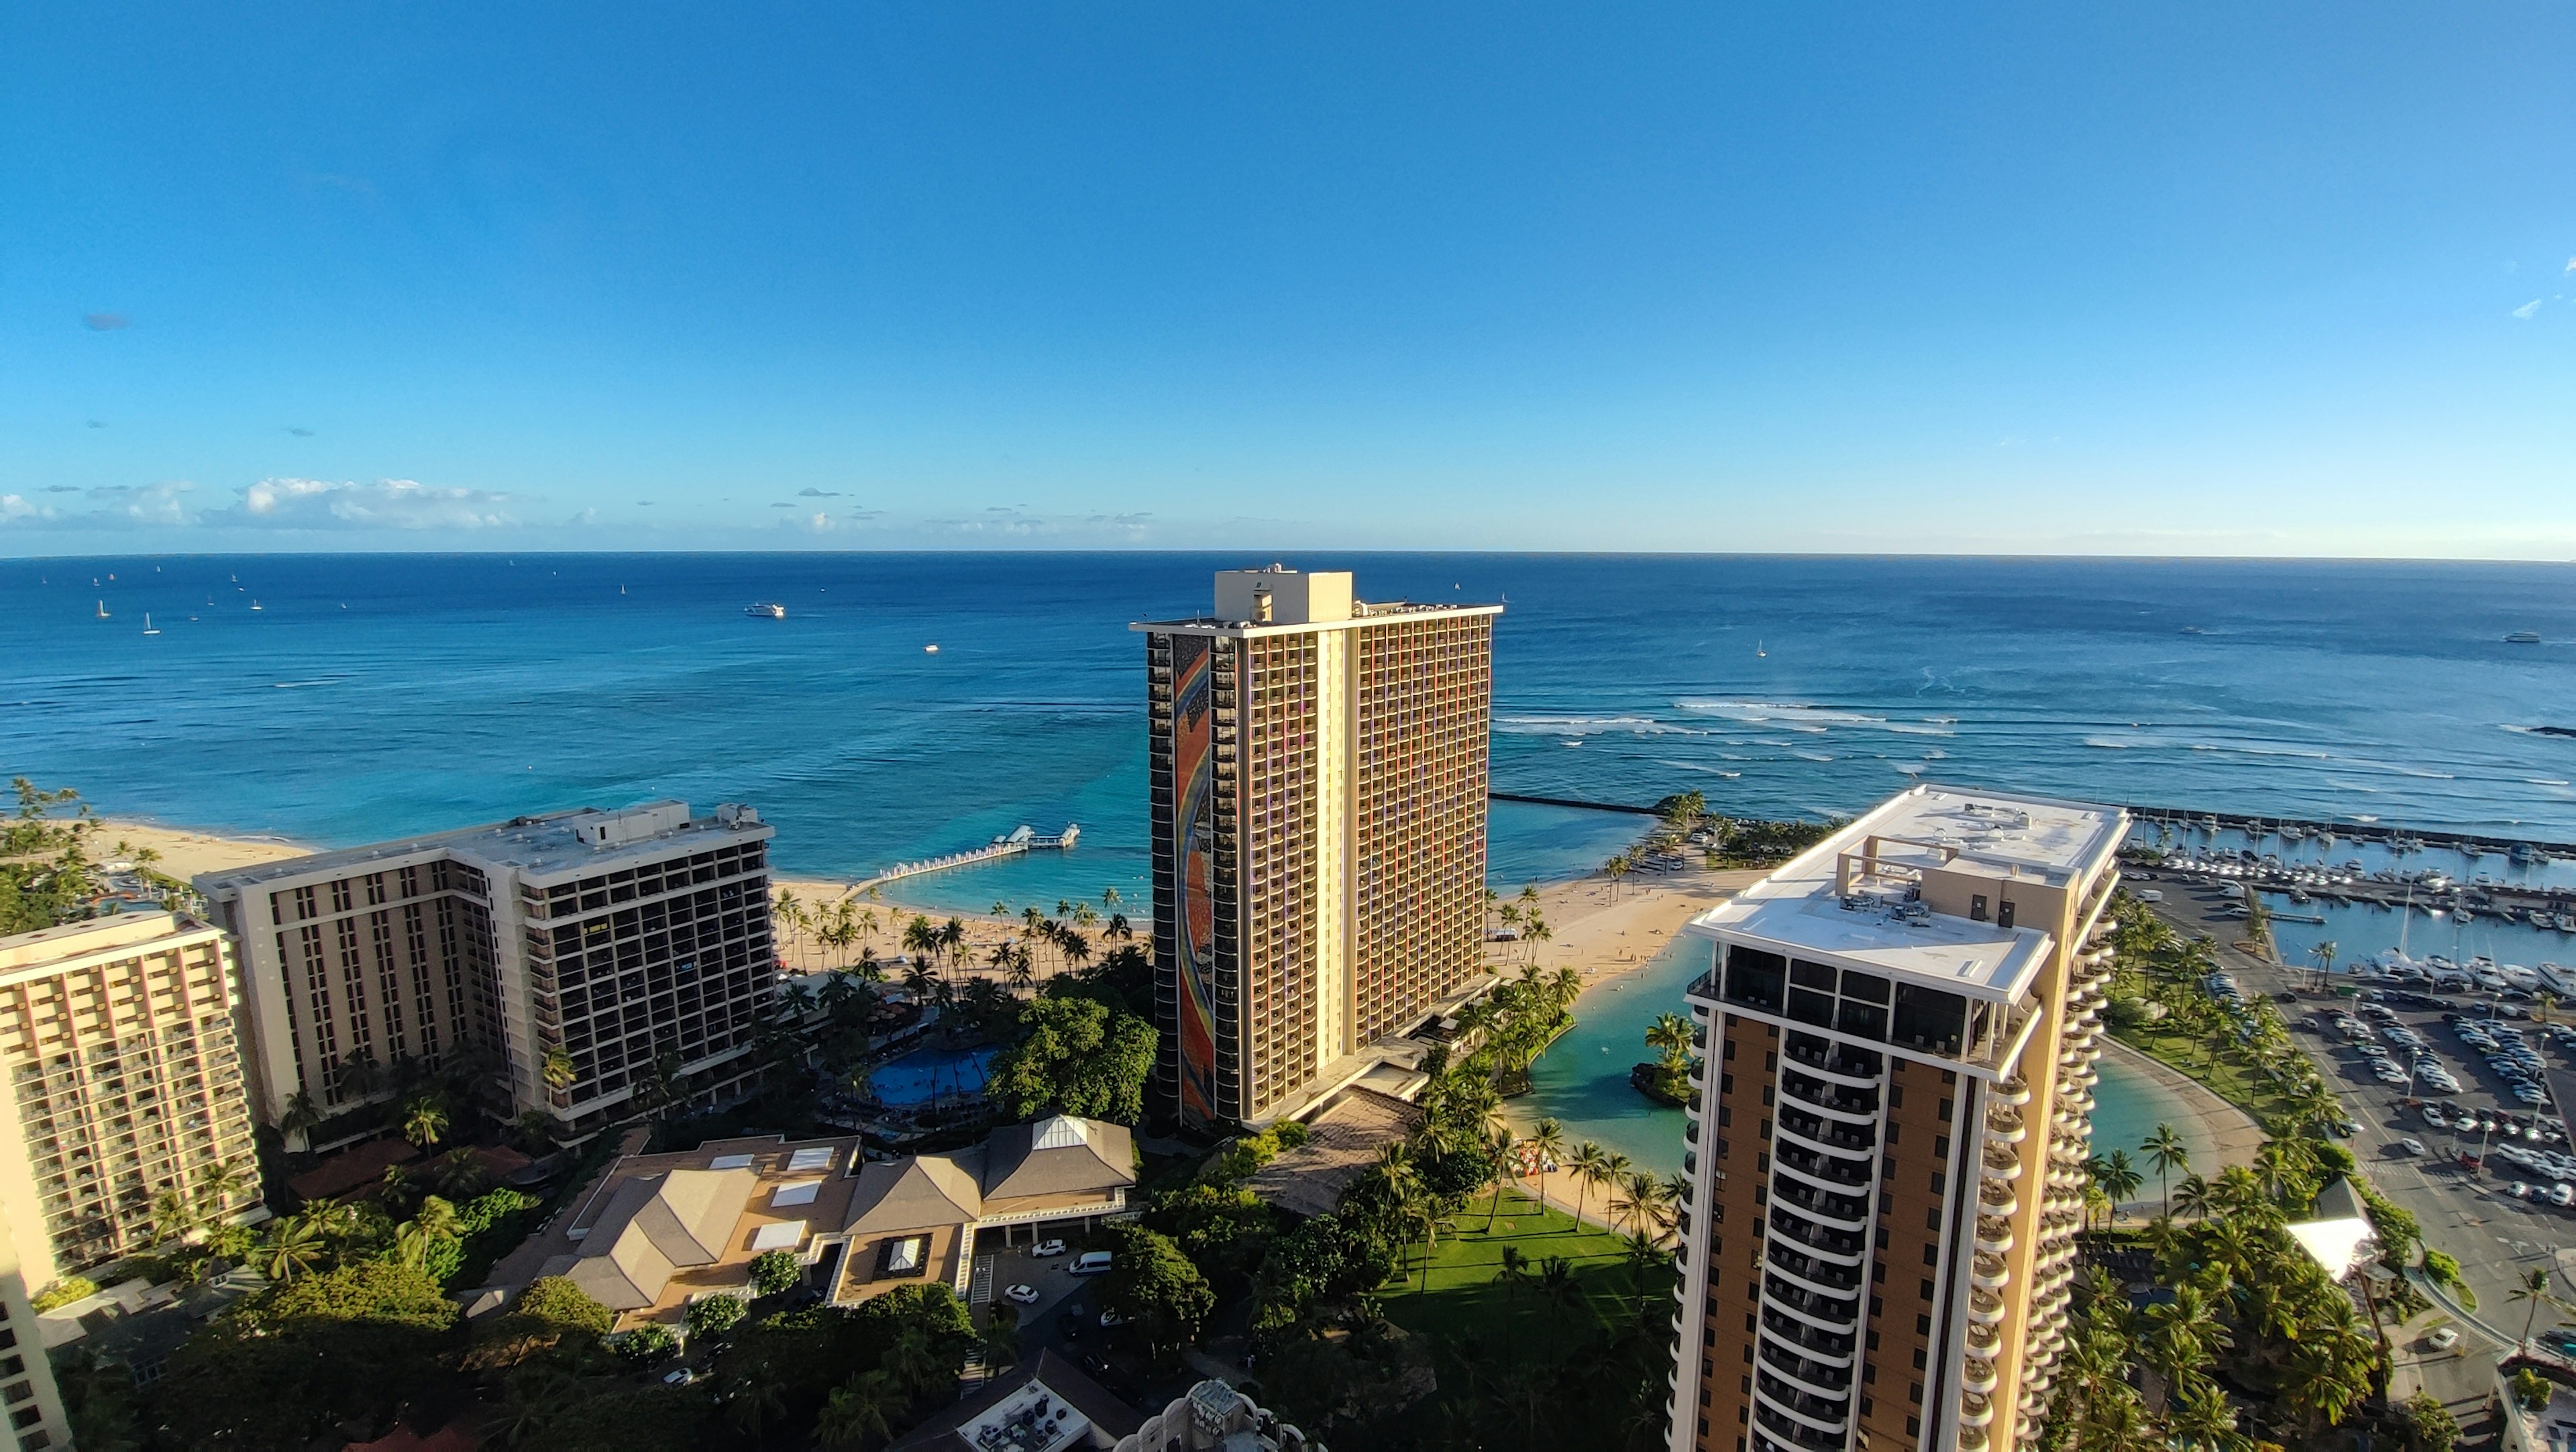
[
  {"x": 931, "y": 649},
  {"x": 102, "y": 610},
  {"x": 254, "y": 604},
  {"x": 2523, "y": 637},
  {"x": 147, "y": 624},
  {"x": 765, "y": 611}
]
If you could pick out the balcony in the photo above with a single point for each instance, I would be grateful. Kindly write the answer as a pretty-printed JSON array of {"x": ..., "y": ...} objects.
[
  {"x": 1825, "y": 1412},
  {"x": 1801, "y": 1160},
  {"x": 2001, "y": 1164},
  {"x": 1985, "y": 1340},
  {"x": 1788, "y": 1225},
  {"x": 1845, "y": 1212},
  {"x": 2012, "y": 1093},
  {"x": 1813, "y": 1377},
  {"x": 1827, "y": 1311},
  {"x": 1821, "y": 1274},
  {"x": 1978, "y": 1376},
  {"x": 1837, "y": 1066},
  {"x": 2004, "y": 1126},
  {"x": 1988, "y": 1272},
  {"x": 1985, "y": 1308},
  {"x": 1795, "y": 1434},
  {"x": 1975, "y": 1409},
  {"x": 1995, "y": 1237},
  {"x": 1813, "y": 1343},
  {"x": 1825, "y": 1134},
  {"x": 1852, "y": 1104},
  {"x": 1997, "y": 1199}
]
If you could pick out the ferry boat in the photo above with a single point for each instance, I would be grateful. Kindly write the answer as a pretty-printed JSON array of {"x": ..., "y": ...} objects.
[{"x": 765, "y": 612}]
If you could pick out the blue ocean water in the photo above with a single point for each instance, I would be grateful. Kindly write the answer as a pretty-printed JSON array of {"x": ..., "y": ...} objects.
[{"x": 376, "y": 695}]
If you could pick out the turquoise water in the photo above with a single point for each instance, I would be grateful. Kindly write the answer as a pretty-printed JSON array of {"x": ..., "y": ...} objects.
[
  {"x": 2127, "y": 1107},
  {"x": 945, "y": 1073},
  {"x": 1582, "y": 1080}
]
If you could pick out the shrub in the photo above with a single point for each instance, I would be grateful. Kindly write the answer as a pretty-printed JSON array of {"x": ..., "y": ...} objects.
[
  {"x": 1291, "y": 1133},
  {"x": 65, "y": 1291},
  {"x": 648, "y": 1344},
  {"x": 714, "y": 1315},
  {"x": 773, "y": 1271},
  {"x": 2434, "y": 1427},
  {"x": 556, "y": 1301}
]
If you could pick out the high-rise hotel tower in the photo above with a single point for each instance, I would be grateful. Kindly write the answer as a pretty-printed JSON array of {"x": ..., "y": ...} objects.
[
  {"x": 1887, "y": 1139},
  {"x": 1318, "y": 777}
]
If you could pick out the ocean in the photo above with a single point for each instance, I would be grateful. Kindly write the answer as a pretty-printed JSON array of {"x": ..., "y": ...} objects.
[{"x": 374, "y": 695}]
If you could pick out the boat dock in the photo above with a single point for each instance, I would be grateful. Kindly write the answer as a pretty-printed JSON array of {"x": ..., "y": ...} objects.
[{"x": 1013, "y": 843}]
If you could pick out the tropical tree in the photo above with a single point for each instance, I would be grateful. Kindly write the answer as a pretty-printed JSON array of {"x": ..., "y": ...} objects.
[
  {"x": 2114, "y": 1176},
  {"x": 559, "y": 1070},
  {"x": 862, "y": 1407},
  {"x": 1505, "y": 1150},
  {"x": 2166, "y": 1151},
  {"x": 2324, "y": 956},
  {"x": 294, "y": 1247},
  {"x": 424, "y": 1121},
  {"x": 2533, "y": 1293}
]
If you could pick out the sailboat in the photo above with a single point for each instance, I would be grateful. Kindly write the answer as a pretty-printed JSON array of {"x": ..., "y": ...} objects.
[
  {"x": 102, "y": 610},
  {"x": 1758, "y": 651},
  {"x": 148, "y": 627},
  {"x": 254, "y": 604}
]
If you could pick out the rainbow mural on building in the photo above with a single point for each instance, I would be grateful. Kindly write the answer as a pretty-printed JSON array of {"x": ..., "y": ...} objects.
[{"x": 1192, "y": 826}]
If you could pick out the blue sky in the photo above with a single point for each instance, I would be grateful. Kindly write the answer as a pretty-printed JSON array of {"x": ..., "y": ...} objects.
[{"x": 2285, "y": 279}]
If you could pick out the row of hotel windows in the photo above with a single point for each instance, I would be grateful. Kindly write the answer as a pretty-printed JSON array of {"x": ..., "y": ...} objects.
[
  {"x": 630, "y": 884},
  {"x": 420, "y": 879}
]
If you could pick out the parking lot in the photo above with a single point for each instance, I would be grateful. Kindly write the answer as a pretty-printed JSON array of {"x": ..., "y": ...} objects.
[{"x": 2466, "y": 1213}]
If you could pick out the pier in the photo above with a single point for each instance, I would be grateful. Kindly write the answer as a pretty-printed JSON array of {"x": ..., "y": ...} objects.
[{"x": 1013, "y": 843}]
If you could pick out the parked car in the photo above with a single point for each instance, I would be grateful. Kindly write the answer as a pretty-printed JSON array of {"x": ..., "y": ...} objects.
[
  {"x": 1026, "y": 1295},
  {"x": 1045, "y": 1248},
  {"x": 679, "y": 1376},
  {"x": 2411, "y": 1146},
  {"x": 2443, "y": 1338},
  {"x": 1091, "y": 1263}
]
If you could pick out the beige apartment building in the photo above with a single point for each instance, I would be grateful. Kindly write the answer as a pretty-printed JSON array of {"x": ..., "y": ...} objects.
[
  {"x": 1317, "y": 776},
  {"x": 117, "y": 1037},
  {"x": 1889, "y": 1130},
  {"x": 608, "y": 943},
  {"x": 27, "y": 1390}
]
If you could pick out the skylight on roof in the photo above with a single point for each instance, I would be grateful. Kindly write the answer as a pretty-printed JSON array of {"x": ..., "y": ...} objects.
[
  {"x": 818, "y": 1158},
  {"x": 1062, "y": 1132},
  {"x": 795, "y": 1192},
  {"x": 784, "y": 1235},
  {"x": 730, "y": 1162}
]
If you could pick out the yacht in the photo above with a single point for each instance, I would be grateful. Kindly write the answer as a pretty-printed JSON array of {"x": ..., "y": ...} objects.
[
  {"x": 2523, "y": 637},
  {"x": 765, "y": 612},
  {"x": 147, "y": 624}
]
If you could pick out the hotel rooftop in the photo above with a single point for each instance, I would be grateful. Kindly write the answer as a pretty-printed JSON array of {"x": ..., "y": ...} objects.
[
  {"x": 1916, "y": 888},
  {"x": 539, "y": 846}
]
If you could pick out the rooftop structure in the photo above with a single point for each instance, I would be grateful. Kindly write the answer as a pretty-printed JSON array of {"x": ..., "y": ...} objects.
[
  {"x": 1214, "y": 1417},
  {"x": 1045, "y": 1404},
  {"x": 1890, "y": 1116},
  {"x": 582, "y": 952},
  {"x": 116, "y": 1035},
  {"x": 659, "y": 1231},
  {"x": 2547, "y": 1428},
  {"x": 1317, "y": 776}
]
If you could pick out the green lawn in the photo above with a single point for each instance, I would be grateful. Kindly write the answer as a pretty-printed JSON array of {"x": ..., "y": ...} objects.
[
  {"x": 1464, "y": 1299},
  {"x": 2220, "y": 1066}
]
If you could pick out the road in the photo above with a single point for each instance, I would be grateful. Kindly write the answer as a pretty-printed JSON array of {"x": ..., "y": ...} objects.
[{"x": 2496, "y": 1238}]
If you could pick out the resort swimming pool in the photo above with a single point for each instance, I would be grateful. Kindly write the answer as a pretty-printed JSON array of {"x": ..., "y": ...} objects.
[{"x": 925, "y": 1074}]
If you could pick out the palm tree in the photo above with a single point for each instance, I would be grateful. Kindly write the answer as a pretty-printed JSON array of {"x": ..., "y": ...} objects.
[
  {"x": 2324, "y": 954},
  {"x": 2114, "y": 1176},
  {"x": 294, "y": 1247},
  {"x": 559, "y": 1070},
  {"x": 1548, "y": 1140},
  {"x": 2165, "y": 1150},
  {"x": 1001, "y": 909},
  {"x": 433, "y": 1222},
  {"x": 1671, "y": 1037},
  {"x": 1515, "y": 1270},
  {"x": 1643, "y": 1253},
  {"x": 2534, "y": 1292},
  {"x": 1557, "y": 1285},
  {"x": 1506, "y": 1153},
  {"x": 2202, "y": 1418},
  {"x": 424, "y": 1121},
  {"x": 861, "y": 1408},
  {"x": 1590, "y": 1167},
  {"x": 1002, "y": 1338}
]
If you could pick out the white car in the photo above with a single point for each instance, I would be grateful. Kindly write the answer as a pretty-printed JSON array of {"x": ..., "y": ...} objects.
[
  {"x": 2412, "y": 1146},
  {"x": 1112, "y": 1318},
  {"x": 2518, "y": 1190},
  {"x": 1026, "y": 1295},
  {"x": 2443, "y": 1338},
  {"x": 1045, "y": 1248},
  {"x": 679, "y": 1376},
  {"x": 2562, "y": 1195}
]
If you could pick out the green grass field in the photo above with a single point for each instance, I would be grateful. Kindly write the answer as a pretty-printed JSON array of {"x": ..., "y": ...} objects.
[
  {"x": 2221, "y": 1067},
  {"x": 1463, "y": 1298}
]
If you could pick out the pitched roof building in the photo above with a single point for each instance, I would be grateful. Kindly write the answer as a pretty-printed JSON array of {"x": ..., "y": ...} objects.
[{"x": 659, "y": 1231}]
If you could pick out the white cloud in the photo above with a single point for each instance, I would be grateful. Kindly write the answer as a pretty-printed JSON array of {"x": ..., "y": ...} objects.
[
  {"x": 15, "y": 507},
  {"x": 2571, "y": 265},
  {"x": 287, "y": 503},
  {"x": 2527, "y": 309}
]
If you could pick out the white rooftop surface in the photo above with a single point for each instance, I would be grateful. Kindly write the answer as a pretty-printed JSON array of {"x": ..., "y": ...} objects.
[
  {"x": 537, "y": 845},
  {"x": 2339, "y": 1246},
  {"x": 1799, "y": 910},
  {"x": 1060, "y": 1427},
  {"x": 779, "y": 1235}
]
